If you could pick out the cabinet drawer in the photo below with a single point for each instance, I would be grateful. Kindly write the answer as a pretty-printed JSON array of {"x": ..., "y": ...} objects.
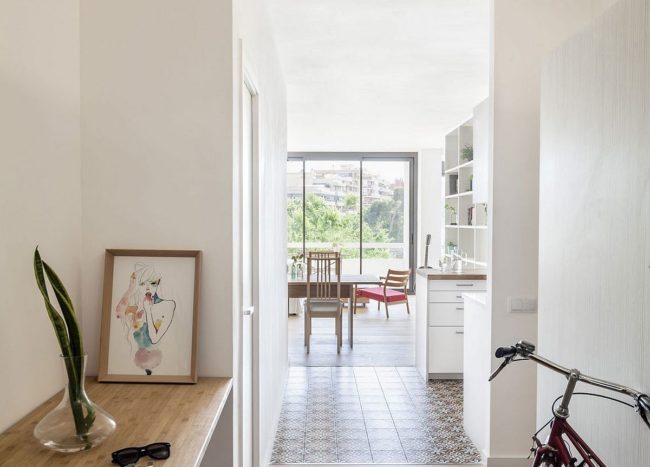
[
  {"x": 446, "y": 296},
  {"x": 446, "y": 349},
  {"x": 446, "y": 314},
  {"x": 457, "y": 284}
]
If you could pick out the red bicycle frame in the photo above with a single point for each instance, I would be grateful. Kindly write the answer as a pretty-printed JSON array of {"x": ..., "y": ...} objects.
[{"x": 556, "y": 452}]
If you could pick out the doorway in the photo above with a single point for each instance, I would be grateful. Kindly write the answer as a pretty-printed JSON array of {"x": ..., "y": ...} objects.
[{"x": 363, "y": 204}]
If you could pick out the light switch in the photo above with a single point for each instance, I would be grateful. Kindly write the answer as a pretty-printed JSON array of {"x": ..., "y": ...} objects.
[{"x": 522, "y": 305}]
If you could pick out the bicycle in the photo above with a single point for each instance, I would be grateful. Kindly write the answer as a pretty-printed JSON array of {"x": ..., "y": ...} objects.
[{"x": 556, "y": 450}]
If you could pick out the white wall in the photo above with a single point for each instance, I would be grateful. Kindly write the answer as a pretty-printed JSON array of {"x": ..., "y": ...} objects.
[
  {"x": 594, "y": 280},
  {"x": 429, "y": 215},
  {"x": 261, "y": 66},
  {"x": 161, "y": 123},
  {"x": 601, "y": 6},
  {"x": 156, "y": 139},
  {"x": 523, "y": 32},
  {"x": 39, "y": 190}
]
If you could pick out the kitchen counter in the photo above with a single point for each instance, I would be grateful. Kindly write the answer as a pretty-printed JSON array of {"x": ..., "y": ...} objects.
[{"x": 467, "y": 274}]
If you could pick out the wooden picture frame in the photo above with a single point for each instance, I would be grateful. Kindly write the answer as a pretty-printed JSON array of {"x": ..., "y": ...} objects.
[{"x": 150, "y": 312}]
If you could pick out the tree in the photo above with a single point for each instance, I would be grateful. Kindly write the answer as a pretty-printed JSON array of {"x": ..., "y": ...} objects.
[{"x": 325, "y": 223}]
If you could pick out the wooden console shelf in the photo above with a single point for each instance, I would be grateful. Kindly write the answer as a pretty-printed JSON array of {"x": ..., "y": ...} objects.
[{"x": 184, "y": 415}]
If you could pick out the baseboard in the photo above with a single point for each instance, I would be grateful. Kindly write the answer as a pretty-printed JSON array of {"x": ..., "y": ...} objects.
[
  {"x": 362, "y": 465},
  {"x": 508, "y": 462},
  {"x": 434, "y": 376}
]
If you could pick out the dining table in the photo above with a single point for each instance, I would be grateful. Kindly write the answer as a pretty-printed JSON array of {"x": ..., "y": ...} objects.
[{"x": 349, "y": 284}]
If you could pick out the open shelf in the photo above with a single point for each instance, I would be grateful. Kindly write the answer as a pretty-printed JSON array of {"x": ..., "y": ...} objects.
[
  {"x": 449, "y": 226},
  {"x": 468, "y": 234},
  {"x": 458, "y": 195},
  {"x": 458, "y": 167}
]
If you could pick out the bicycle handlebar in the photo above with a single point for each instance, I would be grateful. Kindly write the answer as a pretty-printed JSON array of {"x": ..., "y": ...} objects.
[
  {"x": 526, "y": 351},
  {"x": 505, "y": 352}
]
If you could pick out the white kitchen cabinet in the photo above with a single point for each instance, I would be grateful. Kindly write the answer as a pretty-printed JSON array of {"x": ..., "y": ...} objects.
[
  {"x": 446, "y": 351},
  {"x": 440, "y": 320}
]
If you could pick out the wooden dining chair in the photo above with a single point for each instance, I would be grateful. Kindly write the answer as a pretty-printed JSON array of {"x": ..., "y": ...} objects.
[
  {"x": 324, "y": 292},
  {"x": 391, "y": 292}
]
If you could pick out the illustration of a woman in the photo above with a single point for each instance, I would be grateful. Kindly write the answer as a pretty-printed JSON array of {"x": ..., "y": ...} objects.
[{"x": 145, "y": 315}]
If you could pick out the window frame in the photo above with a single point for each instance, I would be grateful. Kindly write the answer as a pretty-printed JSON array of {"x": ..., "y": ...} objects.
[{"x": 410, "y": 157}]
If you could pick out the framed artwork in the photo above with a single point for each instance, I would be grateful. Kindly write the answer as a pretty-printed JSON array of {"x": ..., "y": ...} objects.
[{"x": 150, "y": 316}]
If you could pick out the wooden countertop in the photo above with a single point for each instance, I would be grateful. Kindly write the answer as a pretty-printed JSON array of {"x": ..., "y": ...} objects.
[
  {"x": 467, "y": 274},
  {"x": 183, "y": 414}
]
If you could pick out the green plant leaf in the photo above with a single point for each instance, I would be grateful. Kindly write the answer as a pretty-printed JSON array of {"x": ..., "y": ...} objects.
[
  {"x": 57, "y": 322},
  {"x": 67, "y": 310}
]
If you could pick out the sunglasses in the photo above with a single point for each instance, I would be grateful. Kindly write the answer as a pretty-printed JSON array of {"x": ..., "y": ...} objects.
[{"x": 127, "y": 456}]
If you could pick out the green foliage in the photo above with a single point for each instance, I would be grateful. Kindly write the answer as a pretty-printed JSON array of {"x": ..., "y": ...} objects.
[
  {"x": 467, "y": 153},
  {"x": 68, "y": 334},
  {"x": 450, "y": 208},
  {"x": 383, "y": 222}
]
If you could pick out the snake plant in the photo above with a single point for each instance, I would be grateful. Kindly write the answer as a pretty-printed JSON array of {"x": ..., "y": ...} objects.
[{"x": 66, "y": 328}]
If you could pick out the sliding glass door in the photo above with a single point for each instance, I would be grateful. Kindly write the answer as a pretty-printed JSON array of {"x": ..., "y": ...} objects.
[
  {"x": 386, "y": 202},
  {"x": 360, "y": 203}
]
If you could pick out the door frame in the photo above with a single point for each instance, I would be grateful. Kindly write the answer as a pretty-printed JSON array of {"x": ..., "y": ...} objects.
[{"x": 246, "y": 83}]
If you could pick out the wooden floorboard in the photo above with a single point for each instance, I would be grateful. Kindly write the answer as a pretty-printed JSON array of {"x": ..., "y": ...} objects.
[{"x": 378, "y": 341}]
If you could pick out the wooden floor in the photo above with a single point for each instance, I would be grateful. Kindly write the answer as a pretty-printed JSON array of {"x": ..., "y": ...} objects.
[{"x": 377, "y": 341}]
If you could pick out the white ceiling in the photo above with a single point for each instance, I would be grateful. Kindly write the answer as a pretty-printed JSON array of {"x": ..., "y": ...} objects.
[{"x": 380, "y": 75}]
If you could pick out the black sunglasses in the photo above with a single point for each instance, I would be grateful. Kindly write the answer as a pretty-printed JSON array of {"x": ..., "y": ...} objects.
[{"x": 127, "y": 456}]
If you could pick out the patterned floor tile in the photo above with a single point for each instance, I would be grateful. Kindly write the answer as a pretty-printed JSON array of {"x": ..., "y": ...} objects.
[
  {"x": 382, "y": 433},
  {"x": 288, "y": 457},
  {"x": 313, "y": 457},
  {"x": 371, "y": 415},
  {"x": 353, "y": 444},
  {"x": 350, "y": 415},
  {"x": 289, "y": 445},
  {"x": 385, "y": 444},
  {"x": 377, "y": 414},
  {"x": 384, "y": 457},
  {"x": 324, "y": 444},
  {"x": 352, "y": 433},
  {"x": 405, "y": 415},
  {"x": 319, "y": 434},
  {"x": 421, "y": 457},
  {"x": 354, "y": 456},
  {"x": 418, "y": 444},
  {"x": 380, "y": 423},
  {"x": 342, "y": 425}
]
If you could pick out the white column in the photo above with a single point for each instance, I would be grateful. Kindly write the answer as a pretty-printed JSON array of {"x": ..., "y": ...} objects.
[{"x": 523, "y": 32}]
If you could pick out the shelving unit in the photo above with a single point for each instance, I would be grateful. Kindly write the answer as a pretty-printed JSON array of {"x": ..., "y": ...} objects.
[{"x": 468, "y": 235}]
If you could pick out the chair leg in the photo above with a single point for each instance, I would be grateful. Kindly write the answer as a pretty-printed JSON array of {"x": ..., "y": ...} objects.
[
  {"x": 386, "y": 305},
  {"x": 306, "y": 327},
  {"x": 308, "y": 331},
  {"x": 337, "y": 324},
  {"x": 408, "y": 310},
  {"x": 378, "y": 304}
]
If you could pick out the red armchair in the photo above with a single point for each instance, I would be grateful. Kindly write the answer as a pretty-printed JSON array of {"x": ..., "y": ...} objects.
[{"x": 391, "y": 292}]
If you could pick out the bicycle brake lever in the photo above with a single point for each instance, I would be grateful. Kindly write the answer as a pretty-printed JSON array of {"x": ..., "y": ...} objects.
[{"x": 501, "y": 367}]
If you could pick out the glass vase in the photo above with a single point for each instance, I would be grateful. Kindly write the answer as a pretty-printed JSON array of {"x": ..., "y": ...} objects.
[{"x": 76, "y": 424}]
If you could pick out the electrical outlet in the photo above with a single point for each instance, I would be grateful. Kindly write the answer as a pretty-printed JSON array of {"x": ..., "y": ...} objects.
[{"x": 522, "y": 305}]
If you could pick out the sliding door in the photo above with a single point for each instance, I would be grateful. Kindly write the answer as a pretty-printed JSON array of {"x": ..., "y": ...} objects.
[
  {"x": 360, "y": 203},
  {"x": 332, "y": 210},
  {"x": 385, "y": 197}
]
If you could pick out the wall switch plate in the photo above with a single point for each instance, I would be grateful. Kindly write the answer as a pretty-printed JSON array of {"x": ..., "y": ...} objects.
[{"x": 522, "y": 305}]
